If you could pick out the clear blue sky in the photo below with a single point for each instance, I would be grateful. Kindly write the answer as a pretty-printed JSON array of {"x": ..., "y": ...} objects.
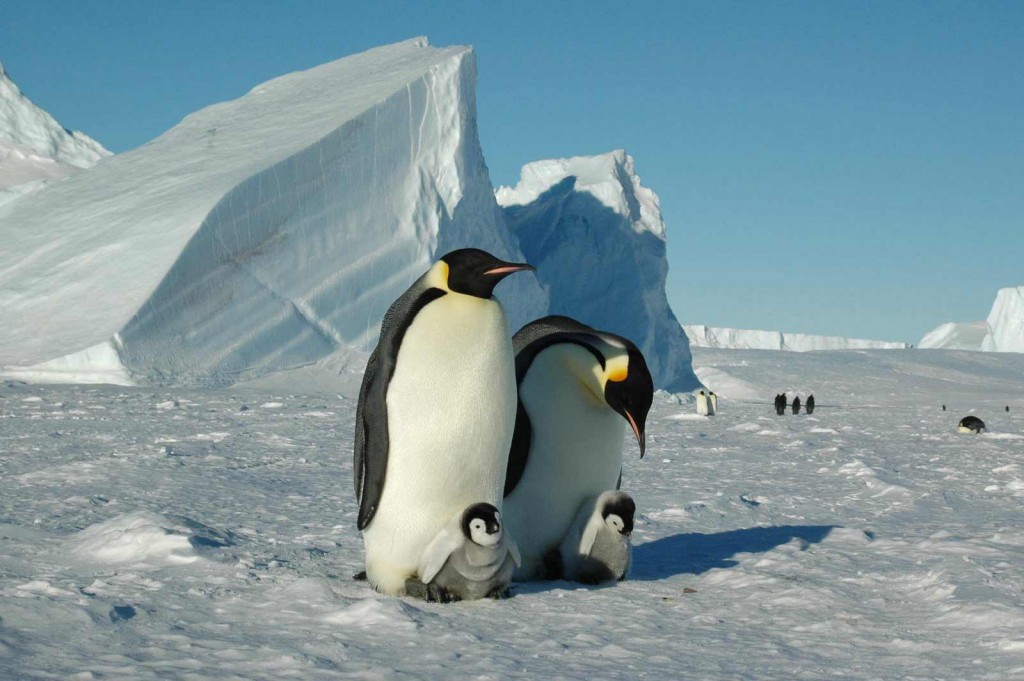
[{"x": 848, "y": 168}]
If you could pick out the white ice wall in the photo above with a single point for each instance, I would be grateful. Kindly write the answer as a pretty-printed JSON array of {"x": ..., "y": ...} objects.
[
  {"x": 1003, "y": 331},
  {"x": 597, "y": 238},
  {"x": 748, "y": 339},
  {"x": 265, "y": 232}
]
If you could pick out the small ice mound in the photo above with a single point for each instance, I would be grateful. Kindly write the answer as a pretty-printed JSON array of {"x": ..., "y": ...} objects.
[
  {"x": 872, "y": 479},
  {"x": 824, "y": 431},
  {"x": 271, "y": 405},
  {"x": 144, "y": 540},
  {"x": 1002, "y": 436},
  {"x": 688, "y": 417},
  {"x": 849, "y": 535},
  {"x": 745, "y": 428},
  {"x": 377, "y": 614}
]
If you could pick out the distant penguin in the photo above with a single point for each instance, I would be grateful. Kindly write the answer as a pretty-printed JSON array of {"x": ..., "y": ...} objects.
[
  {"x": 580, "y": 390},
  {"x": 809, "y": 407},
  {"x": 780, "y": 404},
  {"x": 1007, "y": 409},
  {"x": 470, "y": 558},
  {"x": 598, "y": 547},
  {"x": 971, "y": 424},
  {"x": 703, "y": 404},
  {"x": 943, "y": 407},
  {"x": 713, "y": 403},
  {"x": 436, "y": 412},
  {"x": 796, "y": 405}
]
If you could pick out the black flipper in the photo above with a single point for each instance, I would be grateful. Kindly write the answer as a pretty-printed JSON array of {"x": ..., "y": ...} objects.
[{"x": 371, "y": 438}]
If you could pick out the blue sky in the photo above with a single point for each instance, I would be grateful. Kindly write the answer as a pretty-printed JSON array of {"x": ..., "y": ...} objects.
[{"x": 847, "y": 168}]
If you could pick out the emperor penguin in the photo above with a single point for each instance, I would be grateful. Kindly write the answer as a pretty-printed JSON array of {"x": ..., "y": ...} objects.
[
  {"x": 436, "y": 412},
  {"x": 578, "y": 390},
  {"x": 598, "y": 546},
  {"x": 470, "y": 558},
  {"x": 712, "y": 403},
  {"x": 809, "y": 407},
  {"x": 971, "y": 424},
  {"x": 796, "y": 404},
  {"x": 703, "y": 404}
]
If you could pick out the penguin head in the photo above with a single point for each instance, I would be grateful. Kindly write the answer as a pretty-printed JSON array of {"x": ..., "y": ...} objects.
[
  {"x": 473, "y": 272},
  {"x": 629, "y": 389},
  {"x": 617, "y": 510},
  {"x": 481, "y": 524}
]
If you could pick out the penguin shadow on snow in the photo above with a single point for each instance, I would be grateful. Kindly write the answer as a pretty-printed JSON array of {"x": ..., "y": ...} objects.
[{"x": 695, "y": 553}]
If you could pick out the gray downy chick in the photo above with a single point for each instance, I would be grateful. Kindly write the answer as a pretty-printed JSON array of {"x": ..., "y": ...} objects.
[
  {"x": 598, "y": 547},
  {"x": 470, "y": 558}
]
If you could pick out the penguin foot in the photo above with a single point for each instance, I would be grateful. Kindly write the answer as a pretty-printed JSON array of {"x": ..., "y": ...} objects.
[
  {"x": 500, "y": 593},
  {"x": 431, "y": 593},
  {"x": 359, "y": 576}
]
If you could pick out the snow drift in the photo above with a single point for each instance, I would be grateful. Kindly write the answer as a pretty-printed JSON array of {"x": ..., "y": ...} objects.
[
  {"x": 597, "y": 239},
  {"x": 746, "y": 339},
  {"x": 1003, "y": 331},
  {"x": 262, "y": 233},
  {"x": 34, "y": 148}
]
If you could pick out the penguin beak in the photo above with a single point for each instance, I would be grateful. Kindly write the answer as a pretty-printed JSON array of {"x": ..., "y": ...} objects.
[
  {"x": 640, "y": 439},
  {"x": 509, "y": 268}
]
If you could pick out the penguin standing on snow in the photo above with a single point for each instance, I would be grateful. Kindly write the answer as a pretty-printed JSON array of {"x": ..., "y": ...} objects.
[
  {"x": 471, "y": 558},
  {"x": 436, "y": 412},
  {"x": 780, "y": 404},
  {"x": 809, "y": 407},
  {"x": 796, "y": 405},
  {"x": 579, "y": 390},
  {"x": 598, "y": 546},
  {"x": 971, "y": 424},
  {"x": 703, "y": 404},
  {"x": 712, "y": 403}
]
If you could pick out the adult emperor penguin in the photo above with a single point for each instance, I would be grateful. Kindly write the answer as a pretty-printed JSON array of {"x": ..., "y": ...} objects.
[
  {"x": 703, "y": 404},
  {"x": 971, "y": 424},
  {"x": 471, "y": 558},
  {"x": 578, "y": 390},
  {"x": 712, "y": 403},
  {"x": 598, "y": 547},
  {"x": 436, "y": 412}
]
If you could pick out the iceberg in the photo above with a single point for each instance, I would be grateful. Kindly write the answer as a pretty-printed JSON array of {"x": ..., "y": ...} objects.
[
  {"x": 749, "y": 339},
  {"x": 597, "y": 238},
  {"x": 35, "y": 149},
  {"x": 260, "y": 234},
  {"x": 1003, "y": 331}
]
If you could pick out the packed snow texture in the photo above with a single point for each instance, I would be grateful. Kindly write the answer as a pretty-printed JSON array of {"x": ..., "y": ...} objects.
[
  {"x": 1003, "y": 331},
  {"x": 34, "y": 148},
  {"x": 155, "y": 533},
  {"x": 747, "y": 339},
  {"x": 259, "y": 234},
  {"x": 597, "y": 239}
]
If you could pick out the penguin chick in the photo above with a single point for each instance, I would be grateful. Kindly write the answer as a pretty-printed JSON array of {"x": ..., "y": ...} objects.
[
  {"x": 598, "y": 546},
  {"x": 471, "y": 558}
]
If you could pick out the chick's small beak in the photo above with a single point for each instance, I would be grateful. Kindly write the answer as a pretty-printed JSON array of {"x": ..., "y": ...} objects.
[{"x": 640, "y": 439}]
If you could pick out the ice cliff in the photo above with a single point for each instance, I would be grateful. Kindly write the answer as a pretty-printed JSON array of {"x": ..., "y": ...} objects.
[
  {"x": 747, "y": 339},
  {"x": 597, "y": 238},
  {"x": 1003, "y": 331},
  {"x": 34, "y": 148},
  {"x": 259, "y": 234}
]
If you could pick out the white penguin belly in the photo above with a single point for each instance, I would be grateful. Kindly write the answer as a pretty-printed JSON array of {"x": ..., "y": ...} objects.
[
  {"x": 451, "y": 410},
  {"x": 575, "y": 454}
]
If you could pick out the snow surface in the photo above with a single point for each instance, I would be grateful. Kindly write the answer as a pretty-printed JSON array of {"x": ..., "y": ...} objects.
[
  {"x": 259, "y": 234},
  {"x": 747, "y": 339},
  {"x": 210, "y": 534},
  {"x": 1003, "y": 331},
  {"x": 597, "y": 238},
  {"x": 34, "y": 148}
]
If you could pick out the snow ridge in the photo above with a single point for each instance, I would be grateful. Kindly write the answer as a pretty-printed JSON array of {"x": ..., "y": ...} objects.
[
  {"x": 748, "y": 339},
  {"x": 597, "y": 238},
  {"x": 263, "y": 233},
  {"x": 34, "y": 148}
]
